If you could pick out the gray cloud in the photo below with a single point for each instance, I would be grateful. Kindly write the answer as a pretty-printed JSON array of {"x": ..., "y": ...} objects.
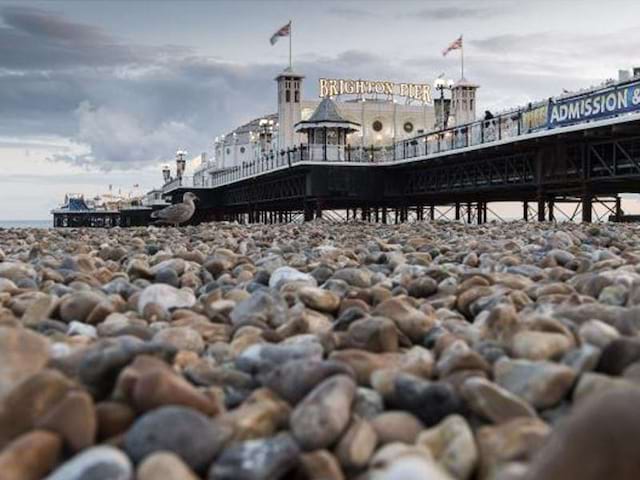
[
  {"x": 42, "y": 23},
  {"x": 350, "y": 12},
  {"x": 131, "y": 105},
  {"x": 555, "y": 48},
  {"x": 35, "y": 39},
  {"x": 458, "y": 12}
]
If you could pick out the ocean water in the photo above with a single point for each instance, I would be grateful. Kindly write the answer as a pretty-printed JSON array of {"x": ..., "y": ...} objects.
[{"x": 26, "y": 223}]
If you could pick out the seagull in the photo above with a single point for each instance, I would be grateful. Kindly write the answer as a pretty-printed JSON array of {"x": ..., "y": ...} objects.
[{"x": 177, "y": 213}]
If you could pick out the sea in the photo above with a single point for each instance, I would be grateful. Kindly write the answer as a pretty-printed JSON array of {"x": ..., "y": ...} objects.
[{"x": 26, "y": 223}]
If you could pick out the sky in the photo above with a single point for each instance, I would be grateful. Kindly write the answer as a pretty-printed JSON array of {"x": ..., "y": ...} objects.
[{"x": 99, "y": 93}]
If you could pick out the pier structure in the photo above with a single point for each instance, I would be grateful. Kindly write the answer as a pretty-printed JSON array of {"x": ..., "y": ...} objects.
[
  {"x": 582, "y": 150},
  {"x": 75, "y": 213}
]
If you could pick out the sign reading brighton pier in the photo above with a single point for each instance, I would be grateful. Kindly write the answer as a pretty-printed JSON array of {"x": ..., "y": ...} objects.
[
  {"x": 415, "y": 91},
  {"x": 619, "y": 99}
]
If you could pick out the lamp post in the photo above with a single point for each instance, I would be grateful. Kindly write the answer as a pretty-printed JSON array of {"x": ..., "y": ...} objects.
[
  {"x": 166, "y": 174},
  {"x": 217, "y": 153},
  {"x": 181, "y": 162},
  {"x": 442, "y": 84},
  {"x": 265, "y": 134}
]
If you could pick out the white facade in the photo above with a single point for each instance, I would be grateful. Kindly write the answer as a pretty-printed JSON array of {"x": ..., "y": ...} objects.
[
  {"x": 463, "y": 102},
  {"x": 382, "y": 121},
  {"x": 247, "y": 142},
  {"x": 289, "y": 111}
]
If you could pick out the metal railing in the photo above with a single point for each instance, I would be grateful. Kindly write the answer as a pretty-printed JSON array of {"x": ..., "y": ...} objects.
[
  {"x": 502, "y": 127},
  {"x": 579, "y": 108},
  {"x": 185, "y": 181},
  {"x": 301, "y": 153}
]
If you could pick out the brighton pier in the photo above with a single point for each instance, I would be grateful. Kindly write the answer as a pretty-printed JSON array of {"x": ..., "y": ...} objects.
[{"x": 535, "y": 156}]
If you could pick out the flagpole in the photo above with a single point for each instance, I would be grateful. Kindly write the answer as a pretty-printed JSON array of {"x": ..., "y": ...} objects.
[{"x": 290, "y": 35}]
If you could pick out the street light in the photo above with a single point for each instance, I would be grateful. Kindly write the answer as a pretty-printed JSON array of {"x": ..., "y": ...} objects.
[
  {"x": 166, "y": 174},
  {"x": 442, "y": 84},
  {"x": 265, "y": 133},
  {"x": 181, "y": 162}
]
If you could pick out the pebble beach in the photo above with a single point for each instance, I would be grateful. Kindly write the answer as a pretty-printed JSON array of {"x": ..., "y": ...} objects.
[{"x": 426, "y": 351}]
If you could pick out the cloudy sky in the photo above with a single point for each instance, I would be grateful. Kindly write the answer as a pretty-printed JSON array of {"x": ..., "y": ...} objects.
[{"x": 94, "y": 93}]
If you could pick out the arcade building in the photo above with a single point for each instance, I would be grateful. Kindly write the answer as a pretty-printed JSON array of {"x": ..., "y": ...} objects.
[{"x": 355, "y": 114}]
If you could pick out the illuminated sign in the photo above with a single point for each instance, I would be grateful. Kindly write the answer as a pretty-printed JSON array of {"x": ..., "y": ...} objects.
[
  {"x": 415, "y": 91},
  {"x": 535, "y": 118},
  {"x": 618, "y": 99}
]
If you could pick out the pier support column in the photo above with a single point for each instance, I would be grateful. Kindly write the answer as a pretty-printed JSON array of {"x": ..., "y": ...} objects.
[
  {"x": 525, "y": 211},
  {"x": 468, "y": 212},
  {"x": 458, "y": 211},
  {"x": 318, "y": 209},
  {"x": 308, "y": 212},
  {"x": 432, "y": 212},
  {"x": 552, "y": 216},
  {"x": 541, "y": 210},
  {"x": 384, "y": 215},
  {"x": 618, "y": 213},
  {"x": 587, "y": 207}
]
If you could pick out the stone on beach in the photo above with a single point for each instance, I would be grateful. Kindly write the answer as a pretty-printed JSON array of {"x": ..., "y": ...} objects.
[
  {"x": 22, "y": 353},
  {"x": 183, "y": 431},
  {"x": 97, "y": 463},
  {"x": 165, "y": 296},
  {"x": 321, "y": 417}
]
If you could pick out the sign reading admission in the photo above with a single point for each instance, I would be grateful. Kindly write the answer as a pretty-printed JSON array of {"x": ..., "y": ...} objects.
[
  {"x": 618, "y": 99},
  {"x": 415, "y": 91}
]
